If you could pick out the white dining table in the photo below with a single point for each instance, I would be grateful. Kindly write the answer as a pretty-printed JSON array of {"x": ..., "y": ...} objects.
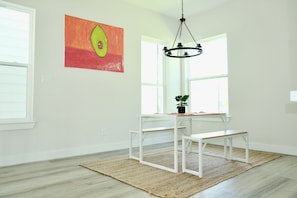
[{"x": 176, "y": 119}]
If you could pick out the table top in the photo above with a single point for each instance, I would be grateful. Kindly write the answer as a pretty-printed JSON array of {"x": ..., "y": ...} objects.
[{"x": 183, "y": 114}]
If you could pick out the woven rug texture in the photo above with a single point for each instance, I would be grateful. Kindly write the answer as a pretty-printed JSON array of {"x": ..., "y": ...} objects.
[{"x": 163, "y": 183}]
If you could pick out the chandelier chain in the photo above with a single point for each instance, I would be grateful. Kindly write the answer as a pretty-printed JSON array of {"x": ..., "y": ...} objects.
[
  {"x": 182, "y": 8},
  {"x": 181, "y": 51},
  {"x": 190, "y": 33}
]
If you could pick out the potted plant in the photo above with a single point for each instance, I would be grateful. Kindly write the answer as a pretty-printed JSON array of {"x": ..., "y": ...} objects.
[{"x": 181, "y": 103}]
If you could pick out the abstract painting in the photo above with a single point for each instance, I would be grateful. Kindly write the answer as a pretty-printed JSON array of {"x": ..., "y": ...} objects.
[{"x": 93, "y": 45}]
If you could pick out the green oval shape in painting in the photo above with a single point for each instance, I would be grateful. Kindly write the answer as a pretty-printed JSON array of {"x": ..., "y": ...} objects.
[{"x": 99, "y": 41}]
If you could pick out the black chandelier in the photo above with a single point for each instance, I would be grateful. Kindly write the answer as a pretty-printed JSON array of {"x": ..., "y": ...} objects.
[{"x": 181, "y": 51}]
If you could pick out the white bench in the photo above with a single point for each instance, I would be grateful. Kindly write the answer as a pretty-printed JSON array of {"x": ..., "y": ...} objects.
[
  {"x": 144, "y": 131},
  {"x": 203, "y": 138}
]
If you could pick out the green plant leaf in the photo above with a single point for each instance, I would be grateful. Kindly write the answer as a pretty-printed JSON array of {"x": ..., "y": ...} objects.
[{"x": 185, "y": 98}]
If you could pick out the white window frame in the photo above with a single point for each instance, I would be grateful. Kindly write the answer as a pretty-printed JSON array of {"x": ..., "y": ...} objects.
[
  {"x": 27, "y": 122},
  {"x": 188, "y": 80}
]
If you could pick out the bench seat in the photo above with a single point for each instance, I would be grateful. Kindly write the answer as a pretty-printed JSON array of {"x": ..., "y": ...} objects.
[
  {"x": 144, "y": 131},
  {"x": 202, "y": 140}
]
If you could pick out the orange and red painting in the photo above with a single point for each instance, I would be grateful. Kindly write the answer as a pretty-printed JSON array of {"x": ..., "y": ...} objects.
[{"x": 93, "y": 45}]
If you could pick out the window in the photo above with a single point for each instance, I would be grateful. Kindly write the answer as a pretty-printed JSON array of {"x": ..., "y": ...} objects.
[
  {"x": 16, "y": 66},
  {"x": 151, "y": 76},
  {"x": 208, "y": 77}
]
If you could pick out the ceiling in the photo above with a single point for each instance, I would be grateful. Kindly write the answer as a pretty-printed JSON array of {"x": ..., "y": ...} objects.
[{"x": 173, "y": 8}]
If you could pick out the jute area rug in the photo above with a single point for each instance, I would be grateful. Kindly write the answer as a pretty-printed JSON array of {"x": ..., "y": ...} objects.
[{"x": 162, "y": 183}]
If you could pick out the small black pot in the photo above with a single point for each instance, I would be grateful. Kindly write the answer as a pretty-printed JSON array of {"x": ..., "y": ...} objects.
[{"x": 181, "y": 109}]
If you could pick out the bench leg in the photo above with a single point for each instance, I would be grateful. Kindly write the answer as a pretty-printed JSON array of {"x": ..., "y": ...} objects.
[
  {"x": 246, "y": 139},
  {"x": 246, "y": 143},
  {"x": 225, "y": 147},
  {"x": 131, "y": 134},
  {"x": 184, "y": 158}
]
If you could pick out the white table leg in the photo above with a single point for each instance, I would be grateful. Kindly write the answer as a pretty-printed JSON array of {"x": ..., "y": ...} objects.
[
  {"x": 225, "y": 147},
  {"x": 183, "y": 154},
  {"x": 230, "y": 148},
  {"x": 246, "y": 138},
  {"x": 200, "y": 158},
  {"x": 175, "y": 145},
  {"x": 141, "y": 140}
]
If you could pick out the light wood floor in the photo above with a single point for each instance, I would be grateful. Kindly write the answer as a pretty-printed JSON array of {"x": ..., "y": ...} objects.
[{"x": 65, "y": 178}]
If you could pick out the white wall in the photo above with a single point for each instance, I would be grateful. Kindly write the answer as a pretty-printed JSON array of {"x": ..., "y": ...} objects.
[
  {"x": 81, "y": 111},
  {"x": 73, "y": 117},
  {"x": 262, "y": 66}
]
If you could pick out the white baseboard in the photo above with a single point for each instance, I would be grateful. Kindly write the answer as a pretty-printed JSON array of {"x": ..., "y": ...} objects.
[
  {"x": 71, "y": 152},
  {"x": 57, "y": 154},
  {"x": 287, "y": 150}
]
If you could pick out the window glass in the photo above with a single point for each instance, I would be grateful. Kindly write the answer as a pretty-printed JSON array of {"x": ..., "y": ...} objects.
[
  {"x": 212, "y": 62},
  {"x": 151, "y": 76},
  {"x": 209, "y": 95},
  {"x": 149, "y": 64},
  {"x": 208, "y": 77},
  {"x": 16, "y": 67},
  {"x": 13, "y": 92},
  {"x": 14, "y": 35}
]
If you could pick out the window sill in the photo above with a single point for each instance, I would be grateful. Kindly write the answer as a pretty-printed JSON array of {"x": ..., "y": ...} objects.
[{"x": 17, "y": 126}]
